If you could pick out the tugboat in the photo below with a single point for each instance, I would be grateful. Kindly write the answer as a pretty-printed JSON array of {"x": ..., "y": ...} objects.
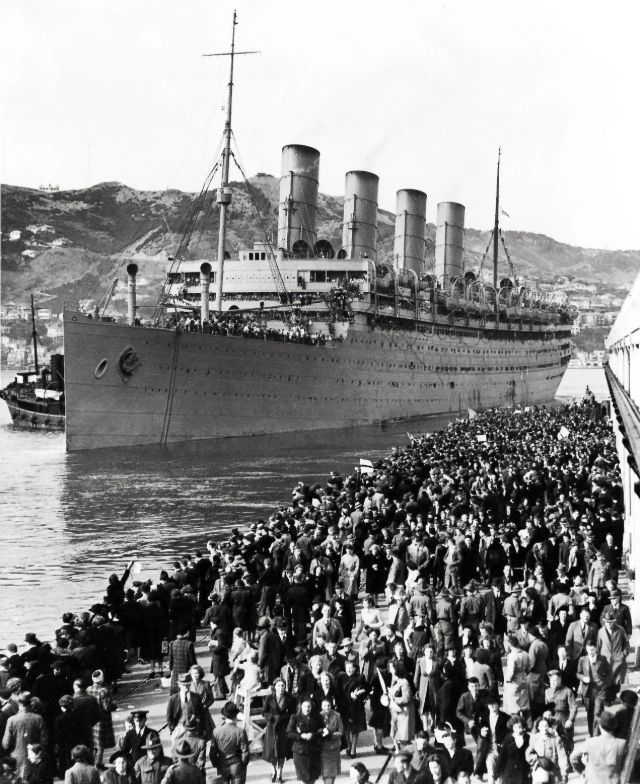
[{"x": 35, "y": 398}]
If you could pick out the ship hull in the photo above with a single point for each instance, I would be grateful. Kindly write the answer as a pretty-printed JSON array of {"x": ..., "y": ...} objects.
[{"x": 128, "y": 386}]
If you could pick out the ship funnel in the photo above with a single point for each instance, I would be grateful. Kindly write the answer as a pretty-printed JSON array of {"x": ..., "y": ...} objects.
[
  {"x": 205, "y": 280},
  {"x": 298, "y": 197},
  {"x": 360, "y": 227},
  {"x": 450, "y": 240},
  {"x": 411, "y": 220},
  {"x": 132, "y": 271}
]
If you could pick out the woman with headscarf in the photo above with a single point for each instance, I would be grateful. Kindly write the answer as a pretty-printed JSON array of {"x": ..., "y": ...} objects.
[
  {"x": 403, "y": 717},
  {"x": 330, "y": 742},
  {"x": 277, "y": 710},
  {"x": 304, "y": 730},
  {"x": 103, "y": 737}
]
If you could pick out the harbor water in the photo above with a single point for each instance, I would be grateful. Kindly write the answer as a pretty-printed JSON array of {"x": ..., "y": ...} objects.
[{"x": 70, "y": 520}]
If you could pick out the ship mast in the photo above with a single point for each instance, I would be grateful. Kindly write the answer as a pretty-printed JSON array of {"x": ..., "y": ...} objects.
[
  {"x": 34, "y": 335},
  {"x": 223, "y": 196},
  {"x": 496, "y": 228}
]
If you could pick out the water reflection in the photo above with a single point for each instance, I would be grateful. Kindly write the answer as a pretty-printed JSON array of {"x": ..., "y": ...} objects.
[{"x": 72, "y": 519}]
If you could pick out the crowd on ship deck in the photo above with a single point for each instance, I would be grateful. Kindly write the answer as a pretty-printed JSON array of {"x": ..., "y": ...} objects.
[
  {"x": 457, "y": 604},
  {"x": 249, "y": 326}
]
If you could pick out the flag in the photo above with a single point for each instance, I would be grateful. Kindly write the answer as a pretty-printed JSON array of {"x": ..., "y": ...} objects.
[
  {"x": 481, "y": 439},
  {"x": 564, "y": 433},
  {"x": 506, "y": 214},
  {"x": 366, "y": 466},
  {"x": 472, "y": 414}
]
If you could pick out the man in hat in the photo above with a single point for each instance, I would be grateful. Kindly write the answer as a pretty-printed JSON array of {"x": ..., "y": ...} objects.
[
  {"x": 595, "y": 680},
  {"x": 152, "y": 768},
  {"x": 565, "y": 707},
  {"x": 601, "y": 758},
  {"x": 184, "y": 771},
  {"x": 613, "y": 644},
  {"x": 270, "y": 651},
  {"x": 137, "y": 736},
  {"x": 188, "y": 731},
  {"x": 511, "y": 608},
  {"x": 229, "y": 751},
  {"x": 343, "y": 609},
  {"x": 87, "y": 710},
  {"x": 184, "y": 705},
  {"x": 621, "y": 612},
  {"x": 181, "y": 656},
  {"x": 447, "y": 621}
]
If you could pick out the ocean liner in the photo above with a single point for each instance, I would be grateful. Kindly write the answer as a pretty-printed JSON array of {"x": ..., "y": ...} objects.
[{"x": 297, "y": 335}]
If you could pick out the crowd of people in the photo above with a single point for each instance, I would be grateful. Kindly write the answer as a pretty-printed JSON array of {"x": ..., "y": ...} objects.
[
  {"x": 250, "y": 325},
  {"x": 456, "y": 606}
]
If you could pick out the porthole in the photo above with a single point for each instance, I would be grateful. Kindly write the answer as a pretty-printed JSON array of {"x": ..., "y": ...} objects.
[{"x": 101, "y": 368}]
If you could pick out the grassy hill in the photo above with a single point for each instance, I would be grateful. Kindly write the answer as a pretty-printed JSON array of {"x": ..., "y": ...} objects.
[{"x": 71, "y": 244}]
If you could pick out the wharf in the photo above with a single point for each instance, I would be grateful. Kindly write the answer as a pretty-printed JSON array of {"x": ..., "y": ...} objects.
[{"x": 136, "y": 691}]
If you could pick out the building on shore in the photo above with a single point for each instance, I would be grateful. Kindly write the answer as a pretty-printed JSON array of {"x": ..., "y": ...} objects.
[{"x": 623, "y": 378}]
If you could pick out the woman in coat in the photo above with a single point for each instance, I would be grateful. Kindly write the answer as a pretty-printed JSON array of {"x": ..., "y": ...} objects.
[
  {"x": 426, "y": 682},
  {"x": 219, "y": 664},
  {"x": 304, "y": 730},
  {"x": 202, "y": 688},
  {"x": 512, "y": 766},
  {"x": 376, "y": 564},
  {"x": 380, "y": 719},
  {"x": 324, "y": 689},
  {"x": 403, "y": 717},
  {"x": 278, "y": 708},
  {"x": 103, "y": 737},
  {"x": 352, "y": 691},
  {"x": 516, "y": 686},
  {"x": 371, "y": 649},
  {"x": 330, "y": 742},
  {"x": 349, "y": 571},
  {"x": 119, "y": 773}
]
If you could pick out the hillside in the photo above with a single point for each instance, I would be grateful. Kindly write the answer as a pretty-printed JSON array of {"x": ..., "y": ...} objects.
[{"x": 70, "y": 245}]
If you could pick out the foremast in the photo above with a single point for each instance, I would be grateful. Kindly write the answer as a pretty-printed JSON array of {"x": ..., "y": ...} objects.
[{"x": 223, "y": 196}]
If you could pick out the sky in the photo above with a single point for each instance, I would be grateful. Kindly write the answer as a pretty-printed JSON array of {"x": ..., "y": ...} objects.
[{"x": 421, "y": 92}]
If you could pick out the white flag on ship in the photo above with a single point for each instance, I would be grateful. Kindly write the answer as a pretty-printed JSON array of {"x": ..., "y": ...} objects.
[{"x": 366, "y": 466}]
